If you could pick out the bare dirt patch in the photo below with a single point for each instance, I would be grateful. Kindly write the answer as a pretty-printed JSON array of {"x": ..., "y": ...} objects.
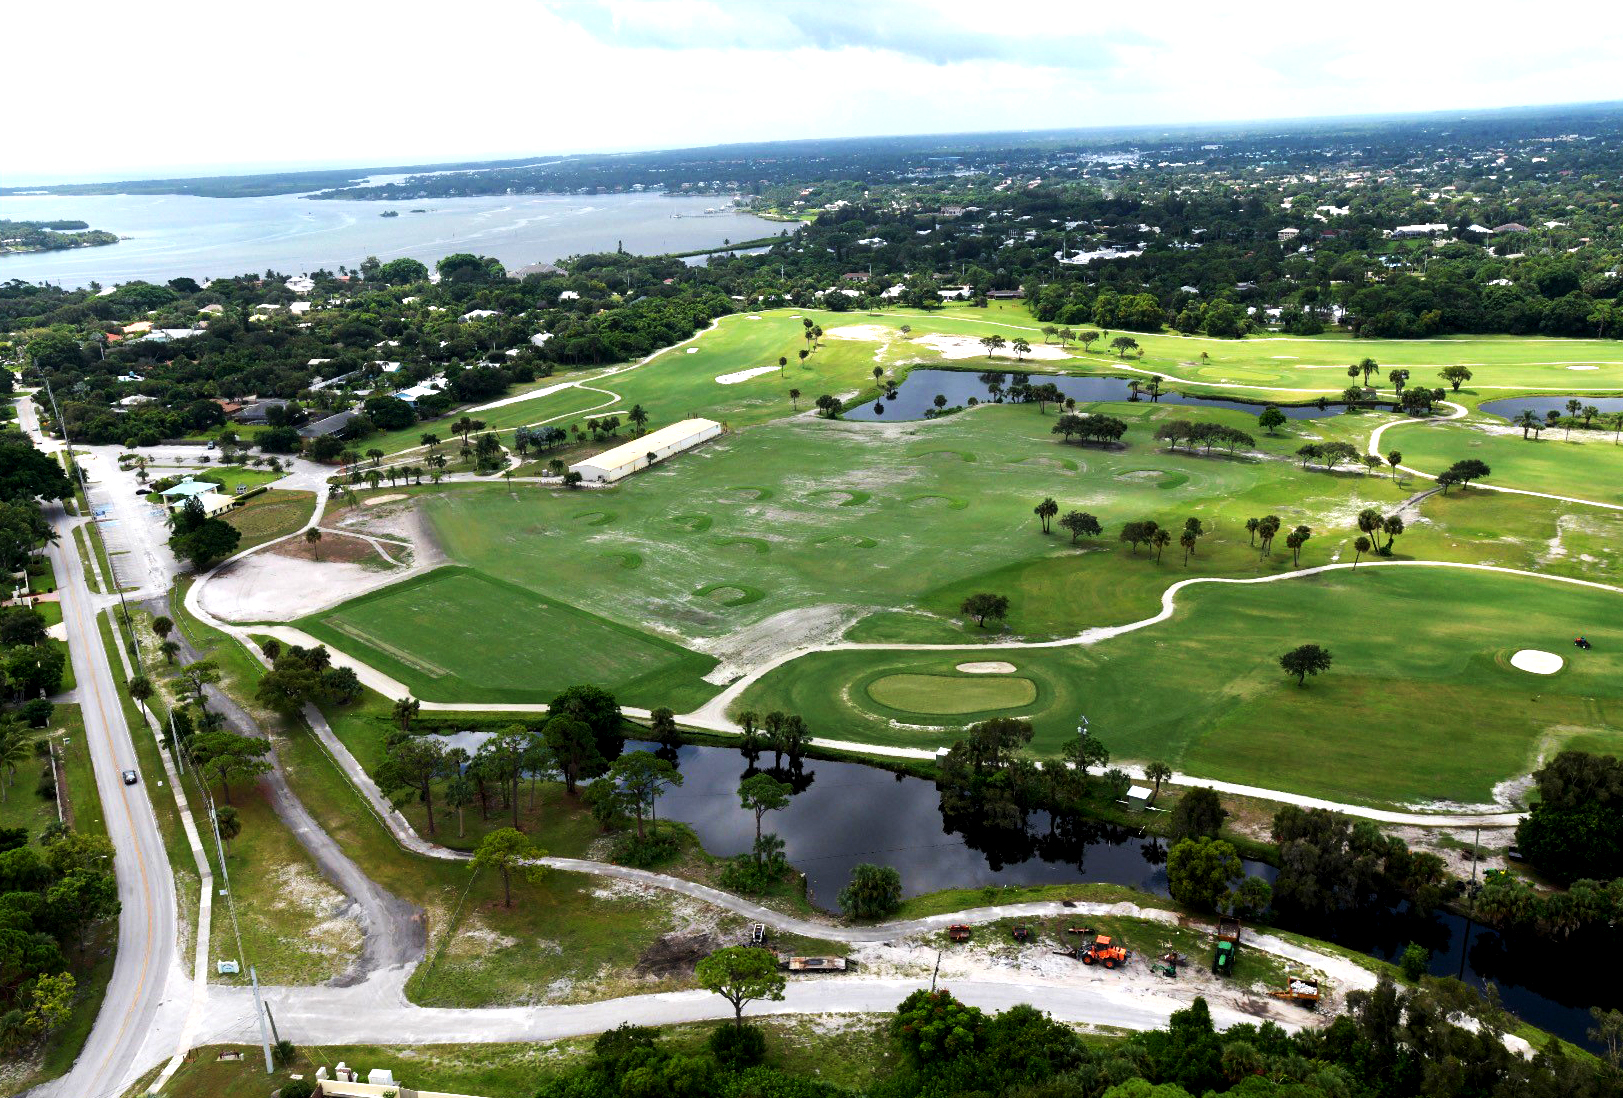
[
  {"x": 955, "y": 347},
  {"x": 376, "y": 500},
  {"x": 743, "y": 650},
  {"x": 332, "y": 548},
  {"x": 675, "y": 954},
  {"x": 868, "y": 333}
]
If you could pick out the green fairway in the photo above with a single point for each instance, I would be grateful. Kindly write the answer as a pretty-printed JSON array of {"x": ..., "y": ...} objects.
[
  {"x": 1421, "y": 703},
  {"x": 1586, "y": 465},
  {"x": 456, "y": 635}
]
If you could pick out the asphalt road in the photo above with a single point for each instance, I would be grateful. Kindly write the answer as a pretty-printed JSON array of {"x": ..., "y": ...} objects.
[{"x": 149, "y": 993}]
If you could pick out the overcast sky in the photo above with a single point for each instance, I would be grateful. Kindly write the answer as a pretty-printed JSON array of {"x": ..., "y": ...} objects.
[{"x": 116, "y": 89}]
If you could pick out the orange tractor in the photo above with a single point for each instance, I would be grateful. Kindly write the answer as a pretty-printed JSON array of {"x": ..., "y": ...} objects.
[{"x": 1103, "y": 951}]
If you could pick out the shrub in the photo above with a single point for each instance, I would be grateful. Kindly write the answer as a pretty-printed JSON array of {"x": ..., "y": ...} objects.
[
  {"x": 874, "y": 892},
  {"x": 647, "y": 851},
  {"x": 738, "y": 1047},
  {"x": 297, "y": 1088},
  {"x": 1415, "y": 960}
]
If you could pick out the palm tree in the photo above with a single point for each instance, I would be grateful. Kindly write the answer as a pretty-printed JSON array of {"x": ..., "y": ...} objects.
[
  {"x": 794, "y": 394},
  {"x": 430, "y": 439},
  {"x": 1394, "y": 458},
  {"x": 376, "y": 455},
  {"x": 1159, "y": 540},
  {"x": 14, "y": 750},
  {"x": 1617, "y": 422},
  {"x": 783, "y": 361},
  {"x": 1527, "y": 421},
  {"x": 169, "y": 648},
  {"x": 1157, "y": 772},
  {"x": 312, "y": 538},
  {"x": 638, "y": 416}
]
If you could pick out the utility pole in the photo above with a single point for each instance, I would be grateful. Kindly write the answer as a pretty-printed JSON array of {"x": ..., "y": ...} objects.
[
  {"x": 259, "y": 1010},
  {"x": 1473, "y": 888}
]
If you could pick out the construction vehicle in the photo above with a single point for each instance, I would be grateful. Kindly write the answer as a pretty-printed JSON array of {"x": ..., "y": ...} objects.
[
  {"x": 1228, "y": 945},
  {"x": 1168, "y": 964},
  {"x": 1104, "y": 951},
  {"x": 1299, "y": 989},
  {"x": 1021, "y": 933},
  {"x": 958, "y": 932}
]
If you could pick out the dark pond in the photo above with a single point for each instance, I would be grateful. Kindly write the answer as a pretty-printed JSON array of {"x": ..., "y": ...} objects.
[
  {"x": 918, "y": 390},
  {"x": 846, "y": 813},
  {"x": 1511, "y": 407}
]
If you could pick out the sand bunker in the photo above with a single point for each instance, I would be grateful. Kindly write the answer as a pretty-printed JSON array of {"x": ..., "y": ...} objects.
[
  {"x": 752, "y": 318},
  {"x": 1290, "y": 357},
  {"x": 986, "y": 667},
  {"x": 1535, "y": 662},
  {"x": 744, "y": 375},
  {"x": 375, "y": 500},
  {"x": 693, "y": 350},
  {"x": 1583, "y": 367},
  {"x": 970, "y": 347}
]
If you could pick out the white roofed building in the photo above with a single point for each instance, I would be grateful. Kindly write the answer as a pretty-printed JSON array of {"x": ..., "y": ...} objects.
[{"x": 641, "y": 452}]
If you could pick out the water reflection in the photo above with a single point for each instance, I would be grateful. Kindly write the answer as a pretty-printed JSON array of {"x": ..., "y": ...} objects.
[{"x": 918, "y": 391}]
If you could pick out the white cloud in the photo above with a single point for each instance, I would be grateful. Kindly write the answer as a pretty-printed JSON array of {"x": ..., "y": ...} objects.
[{"x": 128, "y": 90}]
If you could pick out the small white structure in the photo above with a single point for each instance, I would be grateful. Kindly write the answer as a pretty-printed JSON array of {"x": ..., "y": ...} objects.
[
  {"x": 628, "y": 457},
  {"x": 477, "y": 314}
]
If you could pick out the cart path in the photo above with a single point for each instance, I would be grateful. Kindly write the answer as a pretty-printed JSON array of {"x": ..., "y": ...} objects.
[{"x": 712, "y": 716}]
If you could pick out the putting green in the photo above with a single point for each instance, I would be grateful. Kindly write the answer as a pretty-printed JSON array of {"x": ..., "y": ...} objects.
[
  {"x": 1419, "y": 705},
  {"x": 951, "y": 695}
]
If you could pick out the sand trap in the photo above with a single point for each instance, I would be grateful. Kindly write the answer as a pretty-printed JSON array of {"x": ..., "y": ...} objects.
[
  {"x": 970, "y": 347},
  {"x": 1535, "y": 662},
  {"x": 1583, "y": 367},
  {"x": 752, "y": 318},
  {"x": 375, "y": 500},
  {"x": 693, "y": 350},
  {"x": 986, "y": 667},
  {"x": 1290, "y": 357},
  {"x": 744, "y": 375},
  {"x": 871, "y": 333}
]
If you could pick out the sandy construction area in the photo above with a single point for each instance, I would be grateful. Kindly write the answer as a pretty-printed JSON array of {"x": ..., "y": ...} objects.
[
  {"x": 271, "y": 586},
  {"x": 951, "y": 346}
]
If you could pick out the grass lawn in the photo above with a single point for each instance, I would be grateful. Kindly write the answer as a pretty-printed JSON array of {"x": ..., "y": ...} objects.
[
  {"x": 455, "y": 634},
  {"x": 82, "y": 546},
  {"x": 1589, "y": 465},
  {"x": 853, "y": 1051},
  {"x": 1421, "y": 672},
  {"x": 41, "y": 574},
  {"x": 271, "y": 515}
]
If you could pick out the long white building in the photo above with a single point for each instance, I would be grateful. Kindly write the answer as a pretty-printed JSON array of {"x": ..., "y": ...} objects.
[{"x": 639, "y": 453}]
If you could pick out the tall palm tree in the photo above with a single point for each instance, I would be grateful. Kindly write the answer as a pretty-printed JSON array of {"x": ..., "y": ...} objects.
[
  {"x": 1527, "y": 421},
  {"x": 15, "y": 749}
]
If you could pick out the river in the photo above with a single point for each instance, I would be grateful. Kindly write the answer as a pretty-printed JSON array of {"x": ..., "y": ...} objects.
[{"x": 167, "y": 236}]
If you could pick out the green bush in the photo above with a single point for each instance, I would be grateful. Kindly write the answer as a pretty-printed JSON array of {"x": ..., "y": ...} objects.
[
  {"x": 874, "y": 892},
  {"x": 645, "y": 851},
  {"x": 738, "y": 1047}
]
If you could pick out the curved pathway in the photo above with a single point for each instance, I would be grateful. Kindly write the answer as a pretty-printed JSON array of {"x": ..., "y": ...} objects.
[{"x": 1460, "y": 412}]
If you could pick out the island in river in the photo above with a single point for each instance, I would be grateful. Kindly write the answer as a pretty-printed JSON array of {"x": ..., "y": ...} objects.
[{"x": 50, "y": 236}]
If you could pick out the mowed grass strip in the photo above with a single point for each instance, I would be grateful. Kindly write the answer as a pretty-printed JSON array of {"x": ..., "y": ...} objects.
[
  {"x": 1421, "y": 704},
  {"x": 496, "y": 641},
  {"x": 950, "y": 694}
]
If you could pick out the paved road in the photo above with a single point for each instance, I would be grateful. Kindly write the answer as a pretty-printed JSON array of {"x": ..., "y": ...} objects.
[{"x": 149, "y": 994}]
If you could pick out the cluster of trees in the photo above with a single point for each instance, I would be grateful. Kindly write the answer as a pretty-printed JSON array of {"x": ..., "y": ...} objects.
[
  {"x": 1157, "y": 537},
  {"x": 1580, "y": 415},
  {"x": 1463, "y": 473},
  {"x": 1575, "y": 828},
  {"x": 1392, "y": 1042},
  {"x": 53, "y": 894},
  {"x": 30, "y": 664},
  {"x": 1191, "y": 434},
  {"x": 1090, "y": 428},
  {"x": 986, "y": 778},
  {"x": 197, "y": 538},
  {"x": 1331, "y": 867},
  {"x": 302, "y": 676}
]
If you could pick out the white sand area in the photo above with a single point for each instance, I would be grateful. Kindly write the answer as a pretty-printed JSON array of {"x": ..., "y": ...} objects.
[{"x": 1536, "y": 662}]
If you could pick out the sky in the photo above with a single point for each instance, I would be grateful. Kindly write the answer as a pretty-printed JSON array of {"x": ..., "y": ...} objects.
[{"x": 121, "y": 90}]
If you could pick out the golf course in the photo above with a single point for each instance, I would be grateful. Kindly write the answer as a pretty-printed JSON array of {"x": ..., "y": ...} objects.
[{"x": 793, "y": 559}]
